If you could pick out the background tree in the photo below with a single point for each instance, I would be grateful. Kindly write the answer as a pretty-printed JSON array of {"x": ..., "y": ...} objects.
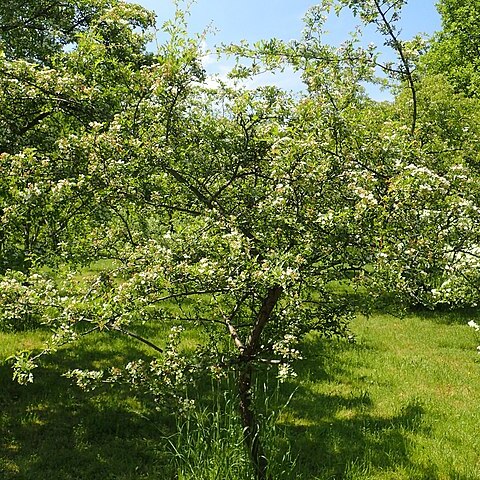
[
  {"x": 423, "y": 178},
  {"x": 38, "y": 30},
  {"x": 47, "y": 106},
  {"x": 455, "y": 50}
]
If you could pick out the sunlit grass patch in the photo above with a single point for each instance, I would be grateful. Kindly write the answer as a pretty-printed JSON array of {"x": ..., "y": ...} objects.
[
  {"x": 400, "y": 403},
  {"x": 11, "y": 343}
]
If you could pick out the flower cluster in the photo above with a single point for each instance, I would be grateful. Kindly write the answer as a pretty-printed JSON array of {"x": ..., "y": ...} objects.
[{"x": 285, "y": 348}]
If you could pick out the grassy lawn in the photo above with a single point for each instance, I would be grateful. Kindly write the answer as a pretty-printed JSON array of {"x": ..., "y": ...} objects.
[
  {"x": 53, "y": 430},
  {"x": 403, "y": 402}
]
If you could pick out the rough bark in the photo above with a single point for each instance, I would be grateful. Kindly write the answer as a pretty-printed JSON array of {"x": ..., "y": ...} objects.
[{"x": 251, "y": 429}]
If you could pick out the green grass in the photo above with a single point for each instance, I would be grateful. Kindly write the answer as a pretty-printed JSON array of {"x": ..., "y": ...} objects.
[
  {"x": 403, "y": 402},
  {"x": 52, "y": 430}
]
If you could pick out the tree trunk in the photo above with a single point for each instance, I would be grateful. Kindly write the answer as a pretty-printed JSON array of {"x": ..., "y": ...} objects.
[{"x": 251, "y": 428}]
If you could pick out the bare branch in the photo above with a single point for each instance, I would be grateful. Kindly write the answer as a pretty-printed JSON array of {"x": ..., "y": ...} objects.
[
  {"x": 137, "y": 337},
  {"x": 397, "y": 44}
]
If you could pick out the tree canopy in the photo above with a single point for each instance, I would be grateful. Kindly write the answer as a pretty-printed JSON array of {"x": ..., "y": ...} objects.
[{"x": 455, "y": 50}]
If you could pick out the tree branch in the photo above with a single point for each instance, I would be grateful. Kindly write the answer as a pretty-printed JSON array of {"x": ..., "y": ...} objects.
[
  {"x": 263, "y": 317},
  {"x": 137, "y": 337},
  {"x": 397, "y": 45}
]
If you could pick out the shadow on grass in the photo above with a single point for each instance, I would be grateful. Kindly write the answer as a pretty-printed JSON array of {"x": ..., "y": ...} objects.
[
  {"x": 448, "y": 316},
  {"x": 51, "y": 430},
  {"x": 328, "y": 445},
  {"x": 330, "y": 433}
]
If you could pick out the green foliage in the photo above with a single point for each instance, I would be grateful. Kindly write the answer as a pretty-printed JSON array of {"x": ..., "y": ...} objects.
[
  {"x": 47, "y": 204},
  {"x": 455, "y": 50},
  {"x": 232, "y": 212},
  {"x": 23, "y": 305},
  {"x": 39, "y": 30}
]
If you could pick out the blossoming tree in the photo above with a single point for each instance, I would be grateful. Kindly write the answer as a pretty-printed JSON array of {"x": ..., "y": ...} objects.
[{"x": 228, "y": 210}]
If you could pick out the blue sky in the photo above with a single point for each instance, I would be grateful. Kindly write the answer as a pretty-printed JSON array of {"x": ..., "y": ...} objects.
[
  {"x": 254, "y": 20},
  {"x": 257, "y": 19}
]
